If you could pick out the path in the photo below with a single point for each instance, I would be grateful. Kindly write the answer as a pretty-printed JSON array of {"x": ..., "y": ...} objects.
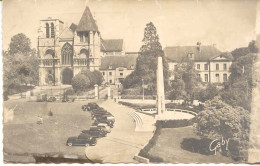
[{"x": 123, "y": 143}]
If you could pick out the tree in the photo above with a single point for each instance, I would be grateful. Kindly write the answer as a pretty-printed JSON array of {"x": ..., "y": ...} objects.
[
  {"x": 219, "y": 120},
  {"x": 238, "y": 90},
  {"x": 95, "y": 77},
  {"x": 178, "y": 90},
  {"x": 80, "y": 82},
  {"x": 209, "y": 93},
  {"x": 20, "y": 44},
  {"x": 146, "y": 62},
  {"x": 98, "y": 77},
  {"x": 185, "y": 71}
]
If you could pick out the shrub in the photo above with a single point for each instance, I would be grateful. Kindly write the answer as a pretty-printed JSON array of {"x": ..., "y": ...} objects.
[
  {"x": 80, "y": 82},
  {"x": 219, "y": 120},
  {"x": 175, "y": 123},
  {"x": 50, "y": 113},
  {"x": 69, "y": 92},
  {"x": 94, "y": 77}
]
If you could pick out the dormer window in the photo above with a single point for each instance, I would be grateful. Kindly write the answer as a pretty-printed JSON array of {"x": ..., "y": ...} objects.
[
  {"x": 190, "y": 55},
  {"x": 110, "y": 67}
]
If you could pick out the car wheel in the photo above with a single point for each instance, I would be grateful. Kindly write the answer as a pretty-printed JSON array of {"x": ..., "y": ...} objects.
[{"x": 69, "y": 144}]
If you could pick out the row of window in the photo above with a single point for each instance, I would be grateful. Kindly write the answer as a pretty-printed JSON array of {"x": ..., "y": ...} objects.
[
  {"x": 84, "y": 37},
  {"x": 48, "y": 35},
  {"x": 110, "y": 73},
  {"x": 217, "y": 66},
  {"x": 206, "y": 77}
]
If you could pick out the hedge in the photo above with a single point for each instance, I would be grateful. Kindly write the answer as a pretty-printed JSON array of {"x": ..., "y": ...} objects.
[{"x": 145, "y": 151}]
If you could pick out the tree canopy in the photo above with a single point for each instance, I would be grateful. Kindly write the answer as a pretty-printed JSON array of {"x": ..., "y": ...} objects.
[
  {"x": 219, "y": 119},
  {"x": 146, "y": 62},
  {"x": 20, "y": 44},
  {"x": 21, "y": 64}
]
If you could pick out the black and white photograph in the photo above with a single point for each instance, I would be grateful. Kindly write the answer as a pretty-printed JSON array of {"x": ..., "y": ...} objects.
[{"x": 131, "y": 81}]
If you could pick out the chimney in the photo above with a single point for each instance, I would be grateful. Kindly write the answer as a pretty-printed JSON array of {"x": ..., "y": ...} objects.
[{"x": 198, "y": 46}]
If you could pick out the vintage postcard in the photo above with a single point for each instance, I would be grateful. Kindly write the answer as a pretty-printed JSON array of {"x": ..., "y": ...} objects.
[{"x": 131, "y": 81}]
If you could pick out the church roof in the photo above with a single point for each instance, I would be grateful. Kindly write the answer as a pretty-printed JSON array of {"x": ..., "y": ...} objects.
[
  {"x": 66, "y": 34},
  {"x": 87, "y": 22},
  {"x": 179, "y": 53},
  {"x": 118, "y": 61},
  {"x": 112, "y": 45}
]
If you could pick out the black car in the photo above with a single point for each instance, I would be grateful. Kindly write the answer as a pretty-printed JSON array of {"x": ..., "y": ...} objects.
[
  {"x": 96, "y": 133},
  {"x": 51, "y": 99},
  {"x": 81, "y": 141},
  {"x": 103, "y": 113},
  {"x": 101, "y": 120},
  {"x": 90, "y": 106}
]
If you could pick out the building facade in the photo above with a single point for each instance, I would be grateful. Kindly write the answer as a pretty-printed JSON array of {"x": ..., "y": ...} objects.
[
  {"x": 211, "y": 64},
  {"x": 65, "y": 51},
  {"x": 115, "y": 68}
]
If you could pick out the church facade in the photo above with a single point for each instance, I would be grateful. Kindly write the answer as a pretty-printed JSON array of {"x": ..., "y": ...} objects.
[{"x": 65, "y": 51}]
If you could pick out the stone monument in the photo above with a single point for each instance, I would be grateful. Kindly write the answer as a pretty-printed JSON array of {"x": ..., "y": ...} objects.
[{"x": 160, "y": 103}]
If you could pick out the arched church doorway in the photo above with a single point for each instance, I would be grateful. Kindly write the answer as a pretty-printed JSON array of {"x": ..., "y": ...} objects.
[{"x": 67, "y": 75}]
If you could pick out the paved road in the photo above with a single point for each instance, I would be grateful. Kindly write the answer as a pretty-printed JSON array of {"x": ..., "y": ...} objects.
[{"x": 121, "y": 145}]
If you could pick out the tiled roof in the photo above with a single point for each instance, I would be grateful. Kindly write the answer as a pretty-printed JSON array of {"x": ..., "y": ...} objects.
[
  {"x": 66, "y": 34},
  {"x": 112, "y": 45},
  {"x": 179, "y": 53},
  {"x": 87, "y": 22},
  {"x": 118, "y": 61},
  {"x": 227, "y": 55}
]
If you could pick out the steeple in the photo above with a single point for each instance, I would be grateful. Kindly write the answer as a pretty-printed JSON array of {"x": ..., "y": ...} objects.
[{"x": 87, "y": 22}]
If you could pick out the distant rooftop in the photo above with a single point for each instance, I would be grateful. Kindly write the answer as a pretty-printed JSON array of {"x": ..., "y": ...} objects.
[
  {"x": 201, "y": 53},
  {"x": 112, "y": 45},
  {"x": 87, "y": 22},
  {"x": 118, "y": 61}
]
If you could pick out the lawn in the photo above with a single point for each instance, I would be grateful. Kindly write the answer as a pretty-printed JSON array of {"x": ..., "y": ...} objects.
[
  {"x": 174, "y": 145},
  {"x": 24, "y": 136}
]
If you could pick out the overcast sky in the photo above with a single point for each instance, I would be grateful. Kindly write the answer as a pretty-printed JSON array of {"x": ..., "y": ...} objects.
[{"x": 227, "y": 23}]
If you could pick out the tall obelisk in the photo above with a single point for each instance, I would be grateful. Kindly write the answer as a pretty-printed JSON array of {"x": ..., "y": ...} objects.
[
  {"x": 160, "y": 88},
  {"x": 254, "y": 138}
]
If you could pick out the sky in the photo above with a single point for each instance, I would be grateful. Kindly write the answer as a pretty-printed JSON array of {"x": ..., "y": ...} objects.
[{"x": 228, "y": 24}]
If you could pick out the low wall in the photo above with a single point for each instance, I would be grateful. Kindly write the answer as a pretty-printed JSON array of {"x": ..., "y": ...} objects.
[
  {"x": 138, "y": 101},
  {"x": 141, "y": 159}
]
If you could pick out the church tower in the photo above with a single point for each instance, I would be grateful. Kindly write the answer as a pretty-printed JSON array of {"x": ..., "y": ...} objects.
[
  {"x": 87, "y": 44},
  {"x": 48, "y": 33}
]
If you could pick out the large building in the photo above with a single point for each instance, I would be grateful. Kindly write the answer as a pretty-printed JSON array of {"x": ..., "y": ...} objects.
[
  {"x": 115, "y": 68},
  {"x": 211, "y": 64},
  {"x": 65, "y": 51}
]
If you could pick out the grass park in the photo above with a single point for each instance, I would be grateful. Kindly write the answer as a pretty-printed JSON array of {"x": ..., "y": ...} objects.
[{"x": 23, "y": 136}]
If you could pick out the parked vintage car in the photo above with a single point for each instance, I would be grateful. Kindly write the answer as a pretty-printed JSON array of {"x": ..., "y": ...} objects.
[
  {"x": 94, "y": 132},
  {"x": 90, "y": 106},
  {"x": 51, "y": 99},
  {"x": 102, "y": 120},
  {"x": 103, "y": 113},
  {"x": 81, "y": 141},
  {"x": 108, "y": 117},
  {"x": 104, "y": 126},
  {"x": 41, "y": 98}
]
